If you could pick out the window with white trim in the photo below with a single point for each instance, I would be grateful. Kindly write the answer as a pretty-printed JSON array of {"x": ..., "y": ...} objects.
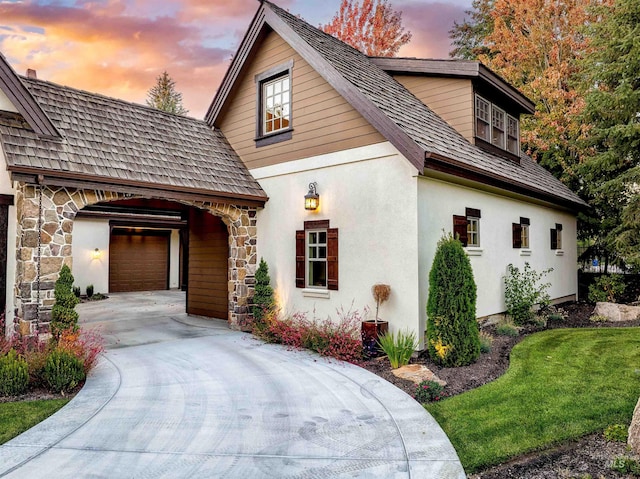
[
  {"x": 483, "y": 118},
  {"x": 467, "y": 228},
  {"x": 317, "y": 258},
  {"x": 556, "y": 237},
  {"x": 520, "y": 232},
  {"x": 276, "y": 105},
  {"x": 498, "y": 127},
  {"x": 513, "y": 135}
]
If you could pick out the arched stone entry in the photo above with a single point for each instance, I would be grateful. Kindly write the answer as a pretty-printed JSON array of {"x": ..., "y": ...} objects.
[{"x": 59, "y": 206}]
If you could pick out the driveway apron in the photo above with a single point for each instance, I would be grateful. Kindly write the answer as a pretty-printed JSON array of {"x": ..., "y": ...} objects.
[{"x": 183, "y": 397}]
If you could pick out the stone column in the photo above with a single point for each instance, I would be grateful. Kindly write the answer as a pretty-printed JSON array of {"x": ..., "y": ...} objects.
[{"x": 58, "y": 212}]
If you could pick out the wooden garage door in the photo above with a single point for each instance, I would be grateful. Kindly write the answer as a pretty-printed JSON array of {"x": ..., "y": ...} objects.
[
  {"x": 138, "y": 261},
  {"x": 208, "y": 265}
]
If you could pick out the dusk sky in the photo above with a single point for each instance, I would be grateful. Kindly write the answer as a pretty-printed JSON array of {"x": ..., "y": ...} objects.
[{"x": 119, "y": 47}]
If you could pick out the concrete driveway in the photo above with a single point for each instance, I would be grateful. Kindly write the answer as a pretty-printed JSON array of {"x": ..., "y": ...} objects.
[{"x": 183, "y": 397}]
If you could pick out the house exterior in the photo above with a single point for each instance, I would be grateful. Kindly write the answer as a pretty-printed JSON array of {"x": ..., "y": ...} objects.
[{"x": 398, "y": 151}]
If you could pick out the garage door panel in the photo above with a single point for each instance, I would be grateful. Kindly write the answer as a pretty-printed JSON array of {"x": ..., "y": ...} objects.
[{"x": 138, "y": 262}]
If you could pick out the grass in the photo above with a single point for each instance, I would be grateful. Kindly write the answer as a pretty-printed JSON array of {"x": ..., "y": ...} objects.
[
  {"x": 562, "y": 384},
  {"x": 17, "y": 417}
]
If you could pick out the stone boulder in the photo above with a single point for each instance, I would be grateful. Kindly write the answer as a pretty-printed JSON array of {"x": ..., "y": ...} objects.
[
  {"x": 634, "y": 430},
  {"x": 417, "y": 373},
  {"x": 617, "y": 312}
]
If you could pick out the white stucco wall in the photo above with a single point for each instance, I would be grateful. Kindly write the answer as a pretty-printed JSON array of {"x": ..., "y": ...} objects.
[
  {"x": 439, "y": 201},
  {"x": 370, "y": 195},
  {"x": 89, "y": 234}
]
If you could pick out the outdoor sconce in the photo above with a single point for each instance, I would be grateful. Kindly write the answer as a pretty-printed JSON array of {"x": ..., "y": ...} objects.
[
  {"x": 96, "y": 253},
  {"x": 312, "y": 199}
]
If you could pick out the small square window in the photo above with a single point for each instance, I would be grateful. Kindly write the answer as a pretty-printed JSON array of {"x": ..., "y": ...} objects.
[{"x": 556, "y": 237}]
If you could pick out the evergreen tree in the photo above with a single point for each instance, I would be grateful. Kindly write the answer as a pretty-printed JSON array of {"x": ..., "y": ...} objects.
[
  {"x": 452, "y": 329},
  {"x": 612, "y": 174},
  {"x": 263, "y": 297},
  {"x": 63, "y": 314},
  {"x": 163, "y": 96},
  {"x": 470, "y": 37}
]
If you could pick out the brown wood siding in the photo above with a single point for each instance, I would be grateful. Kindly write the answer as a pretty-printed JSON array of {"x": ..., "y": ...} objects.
[
  {"x": 208, "y": 258},
  {"x": 323, "y": 122},
  {"x": 138, "y": 262},
  {"x": 450, "y": 98}
]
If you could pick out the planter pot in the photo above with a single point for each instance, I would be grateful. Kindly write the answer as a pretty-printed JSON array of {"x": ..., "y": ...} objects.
[{"x": 370, "y": 331}]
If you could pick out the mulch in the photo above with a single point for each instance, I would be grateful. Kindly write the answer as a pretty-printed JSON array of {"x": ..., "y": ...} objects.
[{"x": 590, "y": 455}]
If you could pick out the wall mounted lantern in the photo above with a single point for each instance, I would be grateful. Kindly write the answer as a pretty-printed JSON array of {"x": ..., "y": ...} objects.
[
  {"x": 312, "y": 199},
  {"x": 96, "y": 254}
]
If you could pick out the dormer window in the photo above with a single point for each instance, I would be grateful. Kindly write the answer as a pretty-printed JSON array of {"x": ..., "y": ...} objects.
[
  {"x": 495, "y": 127},
  {"x": 513, "y": 135},
  {"x": 497, "y": 121},
  {"x": 483, "y": 119}
]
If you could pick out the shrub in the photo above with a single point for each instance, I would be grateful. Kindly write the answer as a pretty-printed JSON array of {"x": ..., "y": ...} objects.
[
  {"x": 63, "y": 313},
  {"x": 523, "y": 290},
  {"x": 507, "y": 328},
  {"x": 486, "y": 341},
  {"x": 606, "y": 288},
  {"x": 598, "y": 318},
  {"x": 452, "y": 329},
  {"x": 616, "y": 433},
  {"x": 63, "y": 371},
  {"x": 90, "y": 291},
  {"x": 263, "y": 297},
  {"x": 14, "y": 374},
  {"x": 337, "y": 339},
  {"x": 428, "y": 391},
  {"x": 398, "y": 347},
  {"x": 86, "y": 345},
  {"x": 77, "y": 291}
]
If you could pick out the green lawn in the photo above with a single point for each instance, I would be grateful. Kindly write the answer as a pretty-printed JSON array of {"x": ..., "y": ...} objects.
[
  {"x": 17, "y": 417},
  {"x": 562, "y": 384}
]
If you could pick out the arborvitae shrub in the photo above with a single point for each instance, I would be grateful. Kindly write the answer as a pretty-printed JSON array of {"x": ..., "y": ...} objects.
[
  {"x": 63, "y": 371},
  {"x": 452, "y": 329},
  {"x": 63, "y": 313},
  {"x": 263, "y": 297},
  {"x": 14, "y": 374}
]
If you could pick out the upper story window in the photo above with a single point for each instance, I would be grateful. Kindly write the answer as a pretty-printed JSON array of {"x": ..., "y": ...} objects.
[
  {"x": 521, "y": 233},
  {"x": 274, "y": 105},
  {"x": 483, "y": 119},
  {"x": 496, "y": 127},
  {"x": 513, "y": 135}
]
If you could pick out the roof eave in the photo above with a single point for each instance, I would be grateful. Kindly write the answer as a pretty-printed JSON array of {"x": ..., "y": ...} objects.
[
  {"x": 25, "y": 103},
  {"x": 79, "y": 180},
  {"x": 450, "y": 166}
]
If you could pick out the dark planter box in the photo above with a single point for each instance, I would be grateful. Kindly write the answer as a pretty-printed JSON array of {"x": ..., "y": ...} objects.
[{"x": 370, "y": 331}]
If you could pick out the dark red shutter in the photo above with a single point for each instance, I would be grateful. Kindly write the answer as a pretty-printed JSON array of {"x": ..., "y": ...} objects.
[
  {"x": 300, "y": 259},
  {"x": 460, "y": 229},
  {"x": 332, "y": 258},
  {"x": 554, "y": 239},
  {"x": 516, "y": 228}
]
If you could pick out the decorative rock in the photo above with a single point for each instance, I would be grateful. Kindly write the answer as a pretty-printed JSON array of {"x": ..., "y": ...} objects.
[
  {"x": 634, "y": 430},
  {"x": 617, "y": 312},
  {"x": 417, "y": 373},
  {"x": 493, "y": 319}
]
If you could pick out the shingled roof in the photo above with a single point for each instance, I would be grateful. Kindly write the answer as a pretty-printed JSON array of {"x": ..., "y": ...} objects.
[
  {"x": 114, "y": 142},
  {"x": 424, "y": 138}
]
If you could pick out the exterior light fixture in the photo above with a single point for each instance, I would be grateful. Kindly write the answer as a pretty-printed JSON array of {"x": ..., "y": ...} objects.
[
  {"x": 312, "y": 199},
  {"x": 96, "y": 253}
]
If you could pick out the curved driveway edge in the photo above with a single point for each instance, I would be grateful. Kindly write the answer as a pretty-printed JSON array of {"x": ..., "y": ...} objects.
[{"x": 212, "y": 403}]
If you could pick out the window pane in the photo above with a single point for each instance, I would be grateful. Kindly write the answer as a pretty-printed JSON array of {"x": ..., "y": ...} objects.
[
  {"x": 278, "y": 87},
  {"x": 313, "y": 237},
  {"x": 313, "y": 252},
  {"x": 317, "y": 273},
  {"x": 525, "y": 236},
  {"x": 323, "y": 237},
  {"x": 269, "y": 89},
  {"x": 322, "y": 252},
  {"x": 285, "y": 84}
]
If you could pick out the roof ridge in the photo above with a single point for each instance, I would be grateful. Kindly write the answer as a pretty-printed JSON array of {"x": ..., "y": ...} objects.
[{"x": 100, "y": 96}]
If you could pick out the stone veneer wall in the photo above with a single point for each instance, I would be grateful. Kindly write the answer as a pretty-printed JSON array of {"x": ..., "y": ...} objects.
[{"x": 59, "y": 208}]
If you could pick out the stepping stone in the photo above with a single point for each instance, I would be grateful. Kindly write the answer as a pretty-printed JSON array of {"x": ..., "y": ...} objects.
[{"x": 417, "y": 373}]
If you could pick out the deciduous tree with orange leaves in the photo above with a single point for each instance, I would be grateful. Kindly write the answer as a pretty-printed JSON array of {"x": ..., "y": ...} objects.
[{"x": 372, "y": 27}]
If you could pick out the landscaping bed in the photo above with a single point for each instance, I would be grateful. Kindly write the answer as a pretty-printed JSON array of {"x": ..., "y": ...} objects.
[{"x": 575, "y": 459}]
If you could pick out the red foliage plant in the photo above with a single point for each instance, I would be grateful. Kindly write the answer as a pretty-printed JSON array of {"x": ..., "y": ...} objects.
[{"x": 86, "y": 345}]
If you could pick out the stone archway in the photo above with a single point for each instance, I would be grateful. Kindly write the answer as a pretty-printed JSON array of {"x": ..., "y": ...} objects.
[{"x": 59, "y": 205}]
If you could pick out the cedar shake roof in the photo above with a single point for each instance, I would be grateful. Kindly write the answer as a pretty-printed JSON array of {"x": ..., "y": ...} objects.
[
  {"x": 424, "y": 138},
  {"x": 114, "y": 142}
]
